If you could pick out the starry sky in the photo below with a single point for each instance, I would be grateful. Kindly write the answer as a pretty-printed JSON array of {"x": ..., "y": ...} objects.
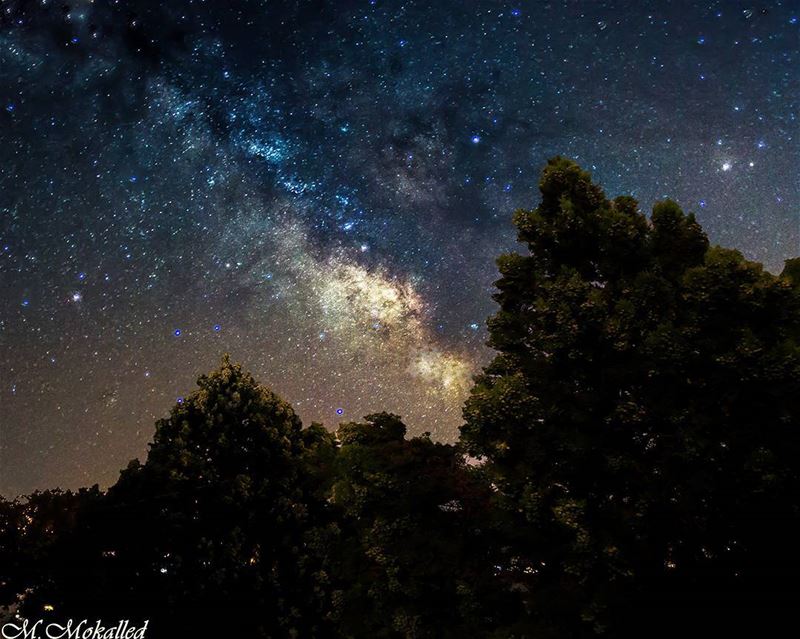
[{"x": 321, "y": 189}]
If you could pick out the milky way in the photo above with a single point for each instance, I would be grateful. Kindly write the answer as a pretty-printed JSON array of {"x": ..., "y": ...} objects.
[{"x": 320, "y": 189}]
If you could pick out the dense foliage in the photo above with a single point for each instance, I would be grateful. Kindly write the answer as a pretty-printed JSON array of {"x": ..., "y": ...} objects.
[
  {"x": 629, "y": 465},
  {"x": 641, "y": 416}
]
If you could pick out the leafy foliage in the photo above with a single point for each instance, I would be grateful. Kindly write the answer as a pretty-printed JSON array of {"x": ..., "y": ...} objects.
[
  {"x": 216, "y": 519},
  {"x": 417, "y": 537},
  {"x": 640, "y": 417}
]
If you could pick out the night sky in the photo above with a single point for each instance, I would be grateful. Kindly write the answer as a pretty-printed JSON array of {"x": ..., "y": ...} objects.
[{"x": 321, "y": 188}]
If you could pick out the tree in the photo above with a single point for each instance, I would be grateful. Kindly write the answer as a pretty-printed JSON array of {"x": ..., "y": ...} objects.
[
  {"x": 640, "y": 419},
  {"x": 31, "y": 531},
  {"x": 212, "y": 535},
  {"x": 413, "y": 560}
]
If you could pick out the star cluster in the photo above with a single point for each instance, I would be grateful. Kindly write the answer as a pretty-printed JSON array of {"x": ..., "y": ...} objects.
[{"x": 320, "y": 189}]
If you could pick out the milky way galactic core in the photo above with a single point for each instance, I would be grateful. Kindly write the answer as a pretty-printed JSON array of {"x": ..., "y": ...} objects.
[{"x": 321, "y": 188}]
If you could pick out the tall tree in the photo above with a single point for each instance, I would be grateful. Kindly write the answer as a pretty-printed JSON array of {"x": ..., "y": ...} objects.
[
  {"x": 640, "y": 419},
  {"x": 213, "y": 535},
  {"x": 413, "y": 558}
]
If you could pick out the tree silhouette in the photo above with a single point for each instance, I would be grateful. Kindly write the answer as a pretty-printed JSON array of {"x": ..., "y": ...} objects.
[
  {"x": 211, "y": 535},
  {"x": 640, "y": 418},
  {"x": 416, "y": 526},
  {"x": 241, "y": 521},
  {"x": 31, "y": 537}
]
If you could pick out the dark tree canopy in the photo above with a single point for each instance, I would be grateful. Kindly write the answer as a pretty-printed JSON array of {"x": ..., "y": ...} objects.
[
  {"x": 640, "y": 418},
  {"x": 417, "y": 538},
  {"x": 219, "y": 518},
  {"x": 241, "y": 521}
]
